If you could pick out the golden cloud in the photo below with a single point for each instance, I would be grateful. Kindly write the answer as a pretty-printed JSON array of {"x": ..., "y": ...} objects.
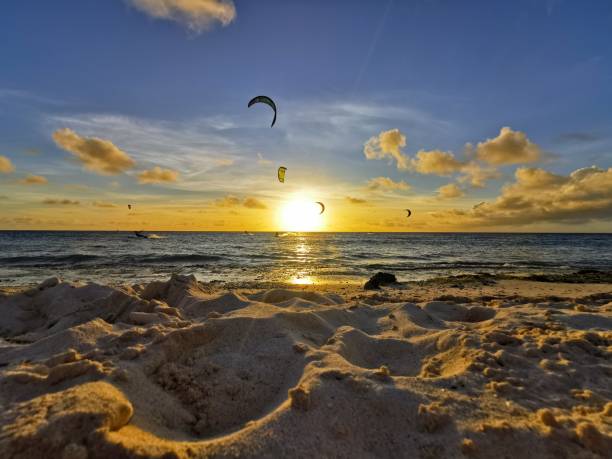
[
  {"x": 352, "y": 200},
  {"x": 387, "y": 144},
  {"x": 228, "y": 201},
  {"x": 537, "y": 195},
  {"x": 6, "y": 166},
  {"x": 64, "y": 202},
  {"x": 509, "y": 147},
  {"x": 104, "y": 204},
  {"x": 97, "y": 155},
  {"x": 233, "y": 201},
  {"x": 33, "y": 180},
  {"x": 386, "y": 183},
  {"x": 158, "y": 175},
  {"x": 444, "y": 164},
  {"x": 198, "y": 15},
  {"x": 222, "y": 162},
  {"x": 253, "y": 203},
  {"x": 476, "y": 175},
  {"x": 450, "y": 191},
  {"x": 436, "y": 162}
]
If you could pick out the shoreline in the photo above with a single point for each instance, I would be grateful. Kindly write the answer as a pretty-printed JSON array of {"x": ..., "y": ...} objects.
[{"x": 452, "y": 282}]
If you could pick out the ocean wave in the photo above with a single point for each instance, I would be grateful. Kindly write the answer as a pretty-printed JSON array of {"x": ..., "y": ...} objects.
[
  {"x": 24, "y": 260},
  {"x": 175, "y": 258}
]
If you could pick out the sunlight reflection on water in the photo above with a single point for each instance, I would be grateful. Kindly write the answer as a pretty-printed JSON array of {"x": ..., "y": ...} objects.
[
  {"x": 302, "y": 280},
  {"x": 297, "y": 259}
]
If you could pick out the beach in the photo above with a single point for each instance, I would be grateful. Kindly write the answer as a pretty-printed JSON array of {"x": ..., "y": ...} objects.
[
  {"x": 462, "y": 366},
  {"x": 305, "y": 229}
]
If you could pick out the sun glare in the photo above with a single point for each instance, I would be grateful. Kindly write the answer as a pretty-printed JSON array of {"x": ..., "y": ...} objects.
[{"x": 301, "y": 214}]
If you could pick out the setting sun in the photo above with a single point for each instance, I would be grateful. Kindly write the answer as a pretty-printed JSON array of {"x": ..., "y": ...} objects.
[{"x": 301, "y": 214}]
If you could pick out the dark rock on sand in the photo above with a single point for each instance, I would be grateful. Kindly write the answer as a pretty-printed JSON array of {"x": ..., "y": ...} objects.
[{"x": 379, "y": 279}]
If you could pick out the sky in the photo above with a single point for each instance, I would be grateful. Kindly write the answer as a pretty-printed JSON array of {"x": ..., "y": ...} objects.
[{"x": 476, "y": 115}]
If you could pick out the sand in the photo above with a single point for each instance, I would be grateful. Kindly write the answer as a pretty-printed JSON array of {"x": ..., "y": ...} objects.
[{"x": 481, "y": 368}]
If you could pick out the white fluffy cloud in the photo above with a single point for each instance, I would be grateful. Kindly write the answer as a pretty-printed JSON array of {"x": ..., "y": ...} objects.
[
  {"x": 97, "y": 155},
  {"x": 197, "y": 15},
  {"x": 387, "y": 144}
]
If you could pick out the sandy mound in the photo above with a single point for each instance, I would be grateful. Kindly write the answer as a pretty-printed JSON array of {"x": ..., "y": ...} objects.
[{"x": 169, "y": 370}]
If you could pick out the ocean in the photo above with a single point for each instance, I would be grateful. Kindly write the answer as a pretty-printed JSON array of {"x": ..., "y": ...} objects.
[{"x": 115, "y": 257}]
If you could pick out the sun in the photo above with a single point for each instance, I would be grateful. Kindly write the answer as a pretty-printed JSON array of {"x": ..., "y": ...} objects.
[{"x": 301, "y": 213}]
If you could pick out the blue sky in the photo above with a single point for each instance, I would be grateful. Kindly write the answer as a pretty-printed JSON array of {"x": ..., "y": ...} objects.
[{"x": 442, "y": 72}]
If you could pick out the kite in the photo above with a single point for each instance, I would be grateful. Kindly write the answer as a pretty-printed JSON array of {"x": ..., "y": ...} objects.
[
  {"x": 281, "y": 174},
  {"x": 322, "y": 207},
  {"x": 264, "y": 100},
  {"x": 409, "y": 212}
]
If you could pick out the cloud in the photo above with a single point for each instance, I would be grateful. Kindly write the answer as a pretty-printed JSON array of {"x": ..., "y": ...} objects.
[
  {"x": 104, "y": 204},
  {"x": 538, "y": 195},
  {"x": 228, "y": 201},
  {"x": 476, "y": 175},
  {"x": 509, "y": 147},
  {"x": 33, "y": 180},
  {"x": 582, "y": 137},
  {"x": 433, "y": 162},
  {"x": 262, "y": 161},
  {"x": 224, "y": 162},
  {"x": 355, "y": 200},
  {"x": 385, "y": 183},
  {"x": 480, "y": 165},
  {"x": 195, "y": 145},
  {"x": 450, "y": 191},
  {"x": 233, "y": 201},
  {"x": 97, "y": 155},
  {"x": 158, "y": 175},
  {"x": 6, "y": 166},
  {"x": 444, "y": 164},
  {"x": 64, "y": 202},
  {"x": 436, "y": 162},
  {"x": 197, "y": 15},
  {"x": 387, "y": 144},
  {"x": 253, "y": 203}
]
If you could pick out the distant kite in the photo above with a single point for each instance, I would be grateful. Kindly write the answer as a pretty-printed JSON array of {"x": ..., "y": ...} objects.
[
  {"x": 409, "y": 212},
  {"x": 281, "y": 174},
  {"x": 264, "y": 100},
  {"x": 322, "y": 207},
  {"x": 129, "y": 206}
]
